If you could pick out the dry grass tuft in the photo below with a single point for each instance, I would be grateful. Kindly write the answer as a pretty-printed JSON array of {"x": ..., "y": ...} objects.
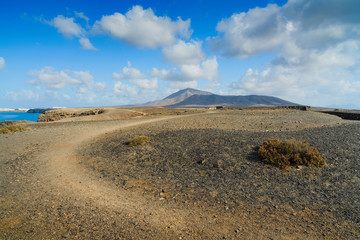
[
  {"x": 137, "y": 140},
  {"x": 290, "y": 152},
  {"x": 13, "y": 128}
]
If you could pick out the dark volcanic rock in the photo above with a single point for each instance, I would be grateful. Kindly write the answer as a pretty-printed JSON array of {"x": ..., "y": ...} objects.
[
  {"x": 345, "y": 115},
  {"x": 38, "y": 110},
  {"x": 216, "y": 166}
]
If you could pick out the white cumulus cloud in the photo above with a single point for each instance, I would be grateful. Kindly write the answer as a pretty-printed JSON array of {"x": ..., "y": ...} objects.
[
  {"x": 124, "y": 89},
  {"x": 246, "y": 34},
  {"x": 317, "y": 50},
  {"x": 67, "y": 26},
  {"x": 309, "y": 24},
  {"x": 136, "y": 77},
  {"x": 146, "y": 83},
  {"x": 67, "y": 84},
  {"x": 184, "y": 52},
  {"x": 128, "y": 73},
  {"x": 56, "y": 80},
  {"x": 142, "y": 28},
  {"x": 324, "y": 78},
  {"x": 168, "y": 75},
  {"x": 207, "y": 69},
  {"x": 84, "y": 77}
]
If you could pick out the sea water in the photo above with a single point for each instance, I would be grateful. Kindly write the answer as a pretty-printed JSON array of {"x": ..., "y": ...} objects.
[{"x": 19, "y": 116}]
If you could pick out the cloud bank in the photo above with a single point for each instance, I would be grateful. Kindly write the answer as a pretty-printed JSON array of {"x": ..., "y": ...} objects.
[
  {"x": 136, "y": 77},
  {"x": 317, "y": 50},
  {"x": 132, "y": 86},
  {"x": 58, "y": 85},
  {"x": 191, "y": 63},
  {"x": 54, "y": 80}
]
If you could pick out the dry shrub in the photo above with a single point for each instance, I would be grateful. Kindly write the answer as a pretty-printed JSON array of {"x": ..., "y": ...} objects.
[
  {"x": 290, "y": 152},
  {"x": 137, "y": 140},
  {"x": 13, "y": 128}
]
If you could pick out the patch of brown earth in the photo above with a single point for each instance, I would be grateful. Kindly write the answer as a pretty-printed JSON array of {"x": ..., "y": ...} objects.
[{"x": 77, "y": 180}]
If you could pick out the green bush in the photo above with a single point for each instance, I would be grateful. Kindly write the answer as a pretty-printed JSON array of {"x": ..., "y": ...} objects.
[
  {"x": 137, "y": 140},
  {"x": 13, "y": 128},
  {"x": 290, "y": 152}
]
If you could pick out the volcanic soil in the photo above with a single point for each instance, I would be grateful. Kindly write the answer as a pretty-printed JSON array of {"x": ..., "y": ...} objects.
[{"x": 199, "y": 177}]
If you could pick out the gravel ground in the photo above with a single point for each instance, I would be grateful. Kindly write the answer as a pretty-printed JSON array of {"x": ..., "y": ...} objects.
[
  {"x": 212, "y": 161},
  {"x": 198, "y": 178}
]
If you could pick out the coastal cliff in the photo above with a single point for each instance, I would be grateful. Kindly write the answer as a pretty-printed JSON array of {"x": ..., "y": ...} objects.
[
  {"x": 38, "y": 110},
  {"x": 56, "y": 115}
]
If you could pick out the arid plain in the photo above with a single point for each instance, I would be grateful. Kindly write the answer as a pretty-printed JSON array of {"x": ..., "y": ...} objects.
[{"x": 199, "y": 177}]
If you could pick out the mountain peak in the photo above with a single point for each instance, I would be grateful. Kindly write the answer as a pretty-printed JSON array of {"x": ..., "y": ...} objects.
[
  {"x": 190, "y": 97},
  {"x": 187, "y": 92}
]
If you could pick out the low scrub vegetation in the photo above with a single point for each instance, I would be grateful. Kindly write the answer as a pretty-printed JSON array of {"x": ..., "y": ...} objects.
[
  {"x": 138, "y": 140},
  {"x": 290, "y": 152},
  {"x": 13, "y": 128}
]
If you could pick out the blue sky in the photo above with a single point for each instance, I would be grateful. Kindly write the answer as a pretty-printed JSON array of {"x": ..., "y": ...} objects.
[{"x": 109, "y": 53}]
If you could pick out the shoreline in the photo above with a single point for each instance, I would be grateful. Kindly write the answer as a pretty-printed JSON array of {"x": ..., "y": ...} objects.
[{"x": 19, "y": 116}]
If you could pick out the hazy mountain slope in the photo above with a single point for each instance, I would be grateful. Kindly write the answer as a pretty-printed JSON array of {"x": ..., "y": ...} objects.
[
  {"x": 190, "y": 97},
  {"x": 176, "y": 98},
  {"x": 239, "y": 101}
]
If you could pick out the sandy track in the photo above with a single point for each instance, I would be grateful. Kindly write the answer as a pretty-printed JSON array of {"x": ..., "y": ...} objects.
[
  {"x": 61, "y": 170},
  {"x": 46, "y": 163},
  {"x": 59, "y": 181}
]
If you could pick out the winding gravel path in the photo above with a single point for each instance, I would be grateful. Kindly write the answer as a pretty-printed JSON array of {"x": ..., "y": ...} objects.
[{"x": 197, "y": 178}]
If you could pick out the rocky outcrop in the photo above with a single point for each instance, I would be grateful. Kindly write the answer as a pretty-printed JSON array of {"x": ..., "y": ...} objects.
[
  {"x": 345, "y": 115},
  {"x": 56, "y": 115},
  {"x": 38, "y": 110}
]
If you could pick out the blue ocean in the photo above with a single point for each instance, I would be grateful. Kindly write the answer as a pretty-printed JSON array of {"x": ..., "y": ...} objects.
[{"x": 19, "y": 116}]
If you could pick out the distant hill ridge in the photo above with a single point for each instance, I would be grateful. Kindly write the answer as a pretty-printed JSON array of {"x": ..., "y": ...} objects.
[
  {"x": 176, "y": 98},
  {"x": 190, "y": 97}
]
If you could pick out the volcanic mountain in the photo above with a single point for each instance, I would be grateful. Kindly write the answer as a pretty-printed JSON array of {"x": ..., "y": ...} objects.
[{"x": 193, "y": 98}]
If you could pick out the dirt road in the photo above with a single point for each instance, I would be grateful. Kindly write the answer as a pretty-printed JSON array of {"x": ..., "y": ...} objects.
[{"x": 48, "y": 193}]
